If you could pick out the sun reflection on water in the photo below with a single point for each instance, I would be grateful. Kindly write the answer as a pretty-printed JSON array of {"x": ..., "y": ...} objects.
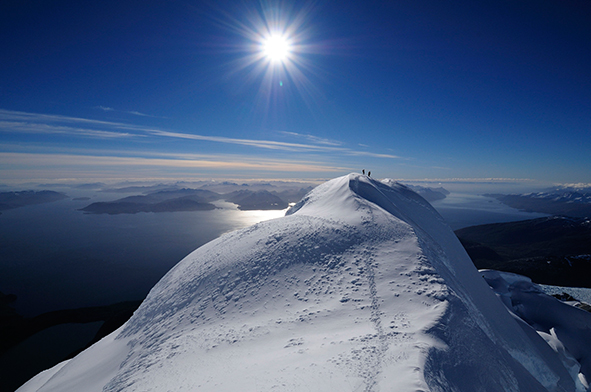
[{"x": 240, "y": 219}]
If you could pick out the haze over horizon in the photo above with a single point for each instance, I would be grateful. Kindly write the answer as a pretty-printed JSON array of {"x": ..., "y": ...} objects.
[{"x": 461, "y": 91}]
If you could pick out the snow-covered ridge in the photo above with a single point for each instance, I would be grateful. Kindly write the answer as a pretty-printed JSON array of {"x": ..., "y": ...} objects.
[
  {"x": 362, "y": 286},
  {"x": 568, "y": 194}
]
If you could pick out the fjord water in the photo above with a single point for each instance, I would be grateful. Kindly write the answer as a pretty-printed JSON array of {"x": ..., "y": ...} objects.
[
  {"x": 464, "y": 209},
  {"x": 53, "y": 256}
]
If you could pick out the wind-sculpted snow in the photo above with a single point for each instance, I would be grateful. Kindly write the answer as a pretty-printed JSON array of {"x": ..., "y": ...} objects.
[
  {"x": 361, "y": 287},
  {"x": 566, "y": 328}
]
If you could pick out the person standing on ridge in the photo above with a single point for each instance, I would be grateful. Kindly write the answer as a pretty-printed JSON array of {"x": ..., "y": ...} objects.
[
  {"x": 369, "y": 174},
  {"x": 363, "y": 171}
]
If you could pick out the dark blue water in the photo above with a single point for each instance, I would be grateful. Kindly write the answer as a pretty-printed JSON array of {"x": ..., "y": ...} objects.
[
  {"x": 55, "y": 257},
  {"x": 462, "y": 210}
]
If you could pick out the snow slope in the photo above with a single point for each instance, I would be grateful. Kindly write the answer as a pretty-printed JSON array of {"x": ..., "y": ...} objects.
[
  {"x": 566, "y": 328},
  {"x": 361, "y": 287}
]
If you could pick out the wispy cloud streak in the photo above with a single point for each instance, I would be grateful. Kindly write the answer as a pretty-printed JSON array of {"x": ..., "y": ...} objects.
[
  {"x": 134, "y": 112},
  {"x": 14, "y": 121},
  {"x": 25, "y": 127},
  {"x": 314, "y": 139},
  {"x": 269, "y": 144},
  {"x": 222, "y": 162},
  {"x": 11, "y": 115}
]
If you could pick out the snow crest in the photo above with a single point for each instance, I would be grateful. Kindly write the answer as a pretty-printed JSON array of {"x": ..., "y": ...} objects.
[{"x": 360, "y": 287}]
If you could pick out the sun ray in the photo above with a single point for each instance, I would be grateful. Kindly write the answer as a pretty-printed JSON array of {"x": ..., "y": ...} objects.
[{"x": 276, "y": 49}]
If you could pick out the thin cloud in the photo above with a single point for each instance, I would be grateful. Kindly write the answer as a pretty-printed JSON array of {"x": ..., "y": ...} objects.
[
  {"x": 32, "y": 122},
  {"x": 577, "y": 185},
  {"x": 25, "y": 127},
  {"x": 221, "y": 162},
  {"x": 373, "y": 154},
  {"x": 134, "y": 112},
  {"x": 269, "y": 144},
  {"x": 314, "y": 139},
  {"x": 11, "y": 115},
  {"x": 139, "y": 114},
  {"x": 473, "y": 180},
  {"x": 274, "y": 145}
]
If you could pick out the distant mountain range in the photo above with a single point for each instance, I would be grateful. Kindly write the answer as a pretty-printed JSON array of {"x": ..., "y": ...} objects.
[
  {"x": 187, "y": 199},
  {"x": 430, "y": 194},
  {"x": 172, "y": 197},
  {"x": 555, "y": 250},
  {"x": 160, "y": 201},
  {"x": 10, "y": 200},
  {"x": 568, "y": 201}
]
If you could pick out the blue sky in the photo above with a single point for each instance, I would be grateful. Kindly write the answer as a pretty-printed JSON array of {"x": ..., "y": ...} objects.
[{"x": 406, "y": 89}]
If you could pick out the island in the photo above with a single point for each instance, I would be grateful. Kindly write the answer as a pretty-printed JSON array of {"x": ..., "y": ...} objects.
[
  {"x": 188, "y": 199},
  {"x": 10, "y": 200},
  {"x": 430, "y": 194}
]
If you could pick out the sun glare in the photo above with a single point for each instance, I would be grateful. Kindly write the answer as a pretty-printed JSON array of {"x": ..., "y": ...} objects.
[
  {"x": 279, "y": 48},
  {"x": 276, "y": 48}
]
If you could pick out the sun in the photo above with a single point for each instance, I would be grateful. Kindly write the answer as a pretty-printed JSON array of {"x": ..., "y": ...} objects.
[{"x": 276, "y": 48}]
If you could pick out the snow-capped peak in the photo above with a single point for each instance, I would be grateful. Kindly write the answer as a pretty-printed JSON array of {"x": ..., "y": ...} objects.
[{"x": 362, "y": 286}]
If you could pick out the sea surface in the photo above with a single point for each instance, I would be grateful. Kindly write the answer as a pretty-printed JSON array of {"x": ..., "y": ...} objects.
[
  {"x": 463, "y": 210},
  {"x": 53, "y": 256}
]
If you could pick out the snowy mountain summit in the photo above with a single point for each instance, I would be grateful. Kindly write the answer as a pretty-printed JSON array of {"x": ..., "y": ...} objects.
[{"x": 360, "y": 287}]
